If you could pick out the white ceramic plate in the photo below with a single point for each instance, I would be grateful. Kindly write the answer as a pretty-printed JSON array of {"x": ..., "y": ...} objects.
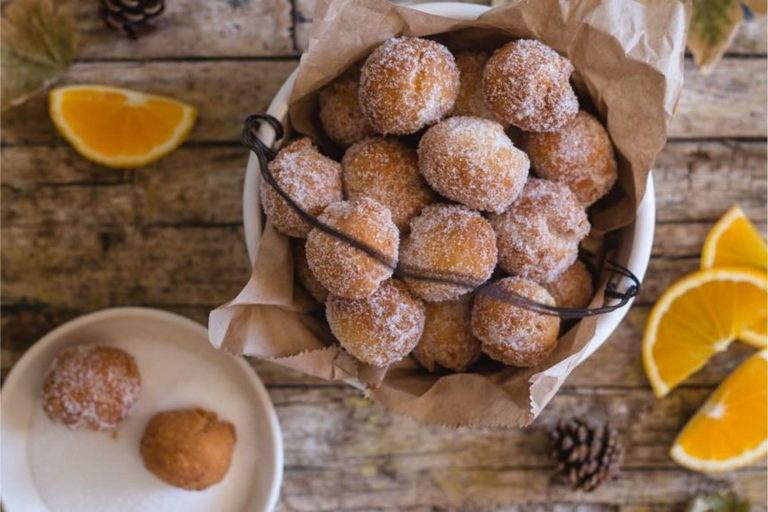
[
  {"x": 119, "y": 326},
  {"x": 638, "y": 248}
]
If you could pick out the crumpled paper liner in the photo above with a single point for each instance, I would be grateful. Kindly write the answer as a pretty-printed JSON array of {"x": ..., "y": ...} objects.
[{"x": 628, "y": 57}]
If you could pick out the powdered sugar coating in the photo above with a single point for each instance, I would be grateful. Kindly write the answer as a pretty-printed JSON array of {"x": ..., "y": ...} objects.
[
  {"x": 472, "y": 161},
  {"x": 513, "y": 335},
  {"x": 304, "y": 273},
  {"x": 386, "y": 170},
  {"x": 91, "y": 386},
  {"x": 381, "y": 329},
  {"x": 538, "y": 236},
  {"x": 579, "y": 154},
  {"x": 340, "y": 114},
  {"x": 447, "y": 341},
  {"x": 448, "y": 241},
  {"x": 526, "y": 83},
  {"x": 407, "y": 83},
  {"x": 470, "y": 100},
  {"x": 343, "y": 269},
  {"x": 572, "y": 288},
  {"x": 310, "y": 178}
]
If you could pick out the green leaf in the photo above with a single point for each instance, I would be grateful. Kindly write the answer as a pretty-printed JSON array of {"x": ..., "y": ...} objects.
[
  {"x": 715, "y": 502},
  {"x": 713, "y": 25},
  {"x": 39, "y": 41}
]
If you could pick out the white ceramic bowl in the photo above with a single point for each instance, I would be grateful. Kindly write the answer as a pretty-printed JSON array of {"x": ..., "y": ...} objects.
[
  {"x": 21, "y": 393},
  {"x": 642, "y": 229}
]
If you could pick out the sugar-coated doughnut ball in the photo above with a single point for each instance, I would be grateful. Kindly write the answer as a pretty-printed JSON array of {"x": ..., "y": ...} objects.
[
  {"x": 304, "y": 274},
  {"x": 340, "y": 114},
  {"x": 572, "y": 288},
  {"x": 388, "y": 171},
  {"x": 188, "y": 448},
  {"x": 408, "y": 83},
  {"x": 538, "y": 236},
  {"x": 448, "y": 242},
  {"x": 470, "y": 100},
  {"x": 381, "y": 329},
  {"x": 526, "y": 83},
  {"x": 579, "y": 154},
  {"x": 342, "y": 268},
  {"x": 91, "y": 386},
  {"x": 511, "y": 334},
  {"x": 309, "y": 178},
  {"x": 447, "y": 341},
  {"x": 472, "y": 161}
]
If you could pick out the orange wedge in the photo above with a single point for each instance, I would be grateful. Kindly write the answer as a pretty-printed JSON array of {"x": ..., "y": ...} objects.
[
  {"x": 735, "y": 241},
  {"x": 118, "y": 127},
  {"x": 730, "y": 430},
  {"x": 697, "y": 316}
]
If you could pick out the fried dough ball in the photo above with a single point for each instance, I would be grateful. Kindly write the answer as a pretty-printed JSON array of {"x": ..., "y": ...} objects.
[
  {"x": 91, "y": 386},
  {"x": 579, "y": 154},
  {"x": 538, "y": 236},
  {"x": 388, "y": 171},
  {"x": 188, "y": 448},
  {"x": 340, "y": 114},
  {"x": 381, "y": 329},
  {"x": 447, "y": 341},
  {"x": 407, "y": 83},
  {"x": 343, "y": 269},
  {"x": 470, "y": 100},
  {"x": 309, "y": 178},
  {"x": 304, "y": 274},
  {"x": 472, "y": 161},
  {"x": 513, "y": 335},
  {"x": 572, "y": 288},
  {"x": 526, "y": 83},
  {"x": 449, "y": 242}
]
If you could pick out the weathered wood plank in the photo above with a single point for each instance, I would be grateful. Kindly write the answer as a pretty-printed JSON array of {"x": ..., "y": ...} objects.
[
  {"x": 190, "y": 28},
  {"x": 224, "y": 92},
  {"x": 728, "y": 103}
]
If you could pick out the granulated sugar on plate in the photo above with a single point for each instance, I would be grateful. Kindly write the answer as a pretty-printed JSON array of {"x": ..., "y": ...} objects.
[{"x": 82, "y": 470}]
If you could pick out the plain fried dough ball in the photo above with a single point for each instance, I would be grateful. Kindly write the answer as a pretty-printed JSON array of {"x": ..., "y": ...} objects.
[
  {"x": 343, "y": 269},
  {"x": 448, "y": 241},
  {"x": 511, "y": 334},
  {"x": 408, "y": 83},
  {"x": 538, "y": 236},
  {"x": 572, "y": 288},
  {"x": 447, "y": 341},
  {"x": 309, "y": 178},
  {"x": 579, "y": 154},
  {"x": 340, "y": 114},
  {"x": 388, "y": 171},
  {"x": 381, "y": 329},
  {"x": 91, "y": 386},
  {"x": 526, "y": 83},
  {"x": 472, "y": 161},
  {"x": 188, "y": 448}
]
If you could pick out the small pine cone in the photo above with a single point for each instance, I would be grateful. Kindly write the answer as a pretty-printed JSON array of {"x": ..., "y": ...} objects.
[
  {"x": 586, "y": 454},
  {"x": 131, "y": 17}
]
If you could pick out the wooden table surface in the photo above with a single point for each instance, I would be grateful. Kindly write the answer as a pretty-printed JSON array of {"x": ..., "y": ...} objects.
[{"x": 77, "y": 237}]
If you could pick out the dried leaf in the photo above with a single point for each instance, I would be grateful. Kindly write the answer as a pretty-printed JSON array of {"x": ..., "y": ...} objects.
[
  {"x": 716, "y": 502},
  {"x": 756, "y": 6},
  {"x": 39, "y": 41},
  {"x": 713, "y": 25}
]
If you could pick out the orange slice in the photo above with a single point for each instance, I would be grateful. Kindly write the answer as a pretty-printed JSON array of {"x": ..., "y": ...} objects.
[
  {"x": 735, "y": 241},
  {"x": 730, "y": 430},
  {"x": 118, "y": 127},
  {"x": 697, "y": 316}
]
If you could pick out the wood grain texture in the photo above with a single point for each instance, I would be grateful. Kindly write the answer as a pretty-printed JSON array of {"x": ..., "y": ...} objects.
[{"x": 727, "y": 103}]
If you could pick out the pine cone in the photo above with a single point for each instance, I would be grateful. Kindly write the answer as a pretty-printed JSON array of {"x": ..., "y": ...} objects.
[
  {"x": 131, "y": 17},
  {"x": 587, "y": 454}
]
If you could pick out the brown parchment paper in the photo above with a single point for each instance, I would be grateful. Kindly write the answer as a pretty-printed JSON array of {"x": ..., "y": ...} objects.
[{"x": 628, "y": 57}]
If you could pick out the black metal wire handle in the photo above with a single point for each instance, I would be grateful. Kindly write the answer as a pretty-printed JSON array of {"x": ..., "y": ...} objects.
[{"x": 264, "y": 154}]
